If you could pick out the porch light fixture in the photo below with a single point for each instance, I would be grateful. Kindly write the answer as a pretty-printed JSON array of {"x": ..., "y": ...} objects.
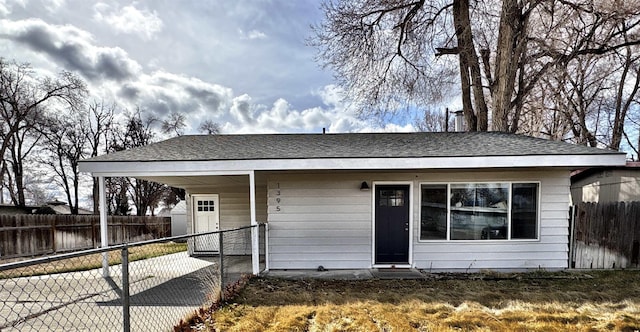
[{"x": 364, "y": 186}]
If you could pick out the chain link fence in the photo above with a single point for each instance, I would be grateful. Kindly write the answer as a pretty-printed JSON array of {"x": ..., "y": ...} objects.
[{"x": 148, "y": 286}]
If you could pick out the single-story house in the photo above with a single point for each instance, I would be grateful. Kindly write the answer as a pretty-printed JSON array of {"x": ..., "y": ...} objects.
[
  {"x": 59, "y": 207},
  {"x": 437, "y": 201},
  {"x": 50, "y": 207},
  {"x": 8, "y": 209},
  {"x": 606, "y": 184}
]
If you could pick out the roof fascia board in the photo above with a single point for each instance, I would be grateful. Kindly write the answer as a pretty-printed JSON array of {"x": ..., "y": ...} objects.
[{"x": 243, "y": 167}]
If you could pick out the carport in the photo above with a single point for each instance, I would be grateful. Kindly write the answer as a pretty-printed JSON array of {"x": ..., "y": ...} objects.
[{"x": 197, "y": 177}]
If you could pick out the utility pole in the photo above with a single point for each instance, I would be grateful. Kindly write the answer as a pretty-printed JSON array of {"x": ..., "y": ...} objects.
[{"x": 446, "y": 119}]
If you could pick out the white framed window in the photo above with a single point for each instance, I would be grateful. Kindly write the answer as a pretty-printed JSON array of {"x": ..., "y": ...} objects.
[
  {"x": 206, "y": 205},
  {"x": 479, "y": 211}
]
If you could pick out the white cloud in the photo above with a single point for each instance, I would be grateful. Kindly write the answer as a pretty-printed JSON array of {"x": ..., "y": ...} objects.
[
  {"x": 53, "y": 5},
  {"x": 72, "y": 47},
  {"x": 4, "y": 9},
  {"x": 246, "y": 117},
  {"x": 242, "y": 110},
  {"x": 161, "y": 93},
  {"x": 115, "y": 74},
  {"x": 331, "y": 95},
  {"x": 253, "y": 34},
  {"x": 130, "y": 20}
]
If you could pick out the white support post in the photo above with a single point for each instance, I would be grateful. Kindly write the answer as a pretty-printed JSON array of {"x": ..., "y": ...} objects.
[
  {"x": 255, "y": 231},
  {"x": 104, "y": 237},
  {"x": 266, "y": 246}
]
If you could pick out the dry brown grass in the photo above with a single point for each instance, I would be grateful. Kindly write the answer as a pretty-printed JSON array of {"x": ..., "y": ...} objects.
[
  {"x": 94, "y": 261},
  {"x": 597, "y": 301}
]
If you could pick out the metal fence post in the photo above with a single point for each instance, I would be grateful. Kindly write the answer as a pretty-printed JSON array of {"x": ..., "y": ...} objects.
[
  {"x": 126, "y": 317},
  {"x": 221, "y": 253}
]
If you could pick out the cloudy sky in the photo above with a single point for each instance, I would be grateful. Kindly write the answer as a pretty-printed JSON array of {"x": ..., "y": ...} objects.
[{"x": 241, "y": 63}]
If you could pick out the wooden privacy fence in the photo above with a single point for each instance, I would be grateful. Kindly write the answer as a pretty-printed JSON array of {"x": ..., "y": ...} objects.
[
  {"x": 32, "y": 235},
  {"x": 606, "y": 235}
]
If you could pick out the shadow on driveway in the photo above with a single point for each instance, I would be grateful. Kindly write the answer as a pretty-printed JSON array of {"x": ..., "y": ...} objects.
[{"x": 189, "y": 290}]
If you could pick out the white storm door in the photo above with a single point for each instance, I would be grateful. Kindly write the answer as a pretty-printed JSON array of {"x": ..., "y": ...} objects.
[{"x": 206, "y": 214}]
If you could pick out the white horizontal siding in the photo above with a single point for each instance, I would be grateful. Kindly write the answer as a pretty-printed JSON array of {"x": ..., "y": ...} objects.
[
  {"x": 235, "y": 208},
  {"x": 493, "y": 264},
  {"x": 492, "y": 248},
  {"x": 235, "y": 212},
  {"x": 324, "y": 219},
  {"x": 318, "y": 220}
]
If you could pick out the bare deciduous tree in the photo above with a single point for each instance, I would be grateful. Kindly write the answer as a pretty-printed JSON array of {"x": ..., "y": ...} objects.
[
  {"x": 209, "y": 127},
  {"x": 174, "y": 124},
  {"x": 389, "y": 53},
  {"x": 146, "y": 195},
  {"x": 99, "y": 124},
  {"x": 434, "y": 120},
  {"x": 66, "y": 142},
  {"x": 24, "y": 98}
]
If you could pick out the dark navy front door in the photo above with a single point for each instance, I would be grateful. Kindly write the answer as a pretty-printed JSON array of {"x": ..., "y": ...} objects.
[{"x": 392, "y": 224}]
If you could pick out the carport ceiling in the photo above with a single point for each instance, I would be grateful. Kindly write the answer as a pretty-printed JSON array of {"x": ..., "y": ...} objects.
[{"x": 200, "y": 181}]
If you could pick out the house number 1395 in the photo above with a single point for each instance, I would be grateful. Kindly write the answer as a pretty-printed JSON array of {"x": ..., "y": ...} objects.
[{"x": 278, "y": 197}]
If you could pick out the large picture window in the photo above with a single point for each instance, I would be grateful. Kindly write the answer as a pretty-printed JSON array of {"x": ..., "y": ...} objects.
[
  {"x": 479, "y": 211},
  {"x": 433, "y": 212}
]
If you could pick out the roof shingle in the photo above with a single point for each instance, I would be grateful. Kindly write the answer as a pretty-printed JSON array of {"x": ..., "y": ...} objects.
[{"x": 361, "y": 145}]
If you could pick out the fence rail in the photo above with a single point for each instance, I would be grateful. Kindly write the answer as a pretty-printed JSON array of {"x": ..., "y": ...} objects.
[
  {"x": 34, "y": 235},
  {"x": 606, "y": 235},
  {"x": 151, "y": 285}
]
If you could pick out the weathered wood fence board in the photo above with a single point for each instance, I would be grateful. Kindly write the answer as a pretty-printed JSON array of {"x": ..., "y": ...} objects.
[
  {"x": 33, "y": 235},
  {"x": 607, "y": 235}
]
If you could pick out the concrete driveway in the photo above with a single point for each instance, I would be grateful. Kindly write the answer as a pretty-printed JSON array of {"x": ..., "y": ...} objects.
[{"x": 163, "y": 290}]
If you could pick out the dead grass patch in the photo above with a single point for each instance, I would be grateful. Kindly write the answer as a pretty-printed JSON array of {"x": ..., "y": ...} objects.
[
  {"x": 597, "y": 301},
  {"x": 94, "y": 261}
]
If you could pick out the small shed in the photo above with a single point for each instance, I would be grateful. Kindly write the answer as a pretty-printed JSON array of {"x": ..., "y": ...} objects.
[
  {"x": 606, "y": 184},
  {"x": 179, "y": 219},
  {"x": 606, "y": 231}
]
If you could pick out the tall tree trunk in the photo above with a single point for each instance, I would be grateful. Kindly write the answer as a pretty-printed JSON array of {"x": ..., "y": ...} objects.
[
  {"x": 467, "y": 106},
  {"x": 509, "y": 51},
  {"x": 74, "y": 207},
  {"x": 96, "y": 196},
  {"x": 18, "y": 173},
  {"x": 470, "y": 74}
]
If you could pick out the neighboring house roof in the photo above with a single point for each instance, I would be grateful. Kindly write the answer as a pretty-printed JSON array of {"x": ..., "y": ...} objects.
[
  {"x": 225, "y": 154},
  {"x": 606, "y": 184},
  {"x": 586, "y": 172},
  {"x": 58, "y": 208},
  {"x": 13, "y": 210}
]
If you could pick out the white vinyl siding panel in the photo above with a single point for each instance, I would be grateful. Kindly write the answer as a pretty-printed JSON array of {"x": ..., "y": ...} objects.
[
  {"x": 234, "y": 213},
  {"x": 318, "y": 220}
]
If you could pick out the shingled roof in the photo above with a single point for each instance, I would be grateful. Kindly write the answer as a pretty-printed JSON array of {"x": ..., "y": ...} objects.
[{"x": 336, "y": 146}]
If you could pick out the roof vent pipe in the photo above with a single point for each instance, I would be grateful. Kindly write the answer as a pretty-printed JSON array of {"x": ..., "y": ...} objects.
[{"x": 459, "y": 121}]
